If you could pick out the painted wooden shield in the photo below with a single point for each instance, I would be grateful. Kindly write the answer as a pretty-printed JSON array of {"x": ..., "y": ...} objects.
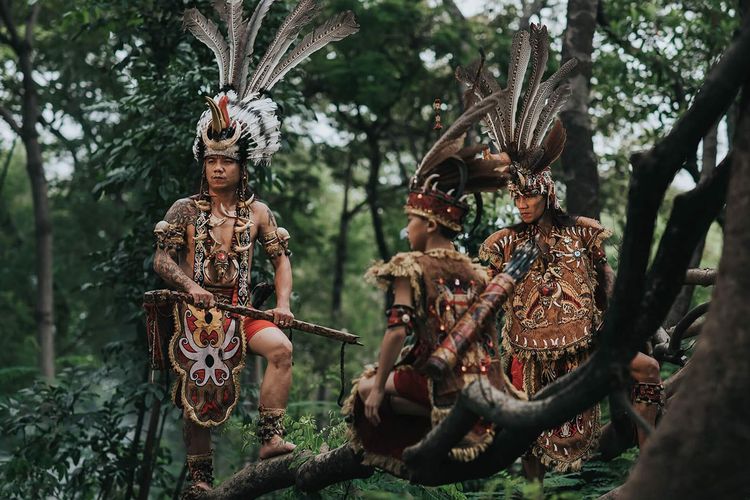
[{"x": 207, "y": 352}]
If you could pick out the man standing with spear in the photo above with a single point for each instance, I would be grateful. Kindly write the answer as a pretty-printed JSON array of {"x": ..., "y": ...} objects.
[{"x": 205, "y": 242}]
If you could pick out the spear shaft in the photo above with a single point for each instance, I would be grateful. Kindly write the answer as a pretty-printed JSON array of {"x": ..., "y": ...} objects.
[{"x": 161, "y": 296}]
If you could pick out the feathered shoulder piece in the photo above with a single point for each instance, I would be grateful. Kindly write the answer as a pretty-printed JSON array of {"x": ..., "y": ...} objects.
[
  {"x": 521, "y": 128},
  {"x": 239, "y": 114}
]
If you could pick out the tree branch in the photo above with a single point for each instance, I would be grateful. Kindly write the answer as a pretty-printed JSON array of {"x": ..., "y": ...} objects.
[
  {"x": 31, "y": 23},
  {"x": 702, "y": 277},
  {"x": 70, "y": 146},
  {"x": 681, "y": 327},
  {"x": 307, "y": 471},
  {"x": 10, "y": 120},
  {"x": 5, "y": 15}
]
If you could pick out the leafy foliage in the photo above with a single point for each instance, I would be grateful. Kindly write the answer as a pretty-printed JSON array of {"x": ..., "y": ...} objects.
[{"x": 122, "y": 86}]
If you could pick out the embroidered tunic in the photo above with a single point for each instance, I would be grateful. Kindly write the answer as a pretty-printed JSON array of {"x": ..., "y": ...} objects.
[
  {"x": 444, "y": 283},
  {"x": 550, "y": 323}
]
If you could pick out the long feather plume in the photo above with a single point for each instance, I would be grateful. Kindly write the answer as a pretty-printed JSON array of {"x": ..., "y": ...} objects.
[
  {"x": 519, "y": 61},
  {"x": 288, "y": 32},
  {"x": 550, "y": 110},
  {"x": 443, "y": 146},
  {"x": 553, "y": 147},
  {"x": 543, "y": 94},
  {"x": 485, "y": 86},
  {"x": 230, "y": 12},
  {"x": 207, "y": 32},
  {"x": 539, "y": 55},
  {"x": 336, "y": 28},
  {"x": 250, "y": 34}
]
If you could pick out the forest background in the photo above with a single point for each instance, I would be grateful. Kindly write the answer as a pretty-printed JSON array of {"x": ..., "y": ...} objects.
[{"x": 118, "y": 86}]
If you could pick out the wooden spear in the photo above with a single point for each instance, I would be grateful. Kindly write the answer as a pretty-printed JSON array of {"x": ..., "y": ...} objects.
[{"x": 162, "y": 296}]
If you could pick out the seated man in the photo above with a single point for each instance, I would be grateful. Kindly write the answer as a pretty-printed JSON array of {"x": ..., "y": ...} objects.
[{"x": 394, "y": 405}]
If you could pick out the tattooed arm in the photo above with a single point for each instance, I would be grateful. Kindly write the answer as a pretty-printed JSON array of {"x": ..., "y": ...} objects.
[
  {"x": 274, "y": 242},
  {"x": 172, "y": 235}
]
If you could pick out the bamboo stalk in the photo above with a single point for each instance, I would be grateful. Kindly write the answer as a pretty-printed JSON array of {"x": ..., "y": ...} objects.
[{"x": 161, "y": 296}]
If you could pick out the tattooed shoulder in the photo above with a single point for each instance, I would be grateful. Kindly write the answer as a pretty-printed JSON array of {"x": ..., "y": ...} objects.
[
  {"x": 182, "y": 212},
  {"x": 271, "y": 218},
  {"x": 267, "y": 217}
]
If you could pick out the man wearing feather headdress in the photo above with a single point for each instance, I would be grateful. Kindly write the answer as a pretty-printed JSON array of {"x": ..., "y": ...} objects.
[
  {"x": 393, "y": 405},
  {"x": 555, "y": 311},
  {"x": 205, "y": 242}
]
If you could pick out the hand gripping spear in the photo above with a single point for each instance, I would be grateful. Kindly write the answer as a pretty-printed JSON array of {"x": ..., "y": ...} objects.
[
  {"x": 165, "y": 296},
  {"x": 468, "y": 327}
]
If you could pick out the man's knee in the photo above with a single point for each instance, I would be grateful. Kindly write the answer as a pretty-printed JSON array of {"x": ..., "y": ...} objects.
[
  {"x": 645, "y": 369},
  {"x": 281, "y": 353}
]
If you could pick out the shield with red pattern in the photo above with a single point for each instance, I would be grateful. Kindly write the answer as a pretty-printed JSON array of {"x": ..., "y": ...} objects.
[{"x": 207, "y": 352}]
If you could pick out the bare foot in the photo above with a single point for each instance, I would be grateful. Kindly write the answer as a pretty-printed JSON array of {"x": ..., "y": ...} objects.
[{"x": 275, "y": 447}]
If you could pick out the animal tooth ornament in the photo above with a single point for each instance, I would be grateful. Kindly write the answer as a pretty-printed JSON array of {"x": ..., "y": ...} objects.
[
  {"x": 525, "y": 134},
  {"x": 196, "y": 246},
  {"x": 241, "y": 121}
]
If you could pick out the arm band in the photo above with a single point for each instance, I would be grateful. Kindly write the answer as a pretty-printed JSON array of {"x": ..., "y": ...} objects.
[
  {"x": 400, "y": 315},
  {"x": 276, "y": 243},
  {"x": 169, "y": 236}
]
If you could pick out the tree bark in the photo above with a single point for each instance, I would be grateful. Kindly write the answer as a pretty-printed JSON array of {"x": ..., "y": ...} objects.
[
  {"x": 373, "y": 183},
  {"x": 579, "y": 162},
  {"x": 682, "y": 303},
  {"x": 702, "y": 440},
  {"x": 30, "y": 113},
  {"x": 341, "y": 249},
  {"x": 304, "y": 470}
]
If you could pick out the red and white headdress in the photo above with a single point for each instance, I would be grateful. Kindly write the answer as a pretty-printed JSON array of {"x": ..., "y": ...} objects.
[{"x": 450, "y": 171}]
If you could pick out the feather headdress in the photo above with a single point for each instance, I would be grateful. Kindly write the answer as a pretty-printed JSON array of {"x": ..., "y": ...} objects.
[
  {"x": 525, "y": 133},
  {"x": 450, "y": 171},
  {"x": 241, "y": 122}
]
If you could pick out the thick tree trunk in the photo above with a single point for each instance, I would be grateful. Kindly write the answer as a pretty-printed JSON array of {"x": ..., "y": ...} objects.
[
  {"x": 342, "y": 240},
  {"x": 682, "y": 303},
  {"x": 22, "y": 47},
  {"x": 579, "y": 162},
  {"x": 44, "y": 310},
  {"x": 699, "y": 447},
  {"x": 373, "y": 183}
]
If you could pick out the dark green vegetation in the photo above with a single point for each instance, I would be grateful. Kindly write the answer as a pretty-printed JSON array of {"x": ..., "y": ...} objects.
[{"x": 120, "y": 87}]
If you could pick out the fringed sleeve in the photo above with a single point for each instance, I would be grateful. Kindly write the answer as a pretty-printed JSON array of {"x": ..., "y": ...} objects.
[
  {"x": 594, "y": 235},
  {"x": 492, "y": 251},
  {"x": 401, "y": 265}
]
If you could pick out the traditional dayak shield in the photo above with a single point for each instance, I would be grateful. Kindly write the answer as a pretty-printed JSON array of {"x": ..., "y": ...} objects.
[{"x": 207, "y": 351}]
